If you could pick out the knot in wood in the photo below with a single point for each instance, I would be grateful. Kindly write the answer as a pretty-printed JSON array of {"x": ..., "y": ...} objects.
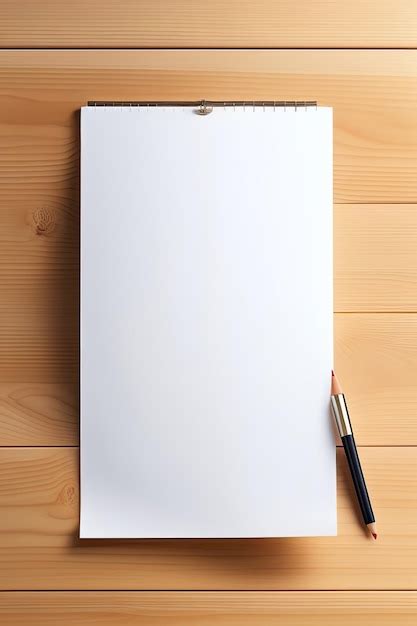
[{"x": 43, "y": 220}]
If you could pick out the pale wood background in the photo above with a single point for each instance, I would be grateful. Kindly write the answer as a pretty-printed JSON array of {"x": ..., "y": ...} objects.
[{"x": 47, "y": 575}]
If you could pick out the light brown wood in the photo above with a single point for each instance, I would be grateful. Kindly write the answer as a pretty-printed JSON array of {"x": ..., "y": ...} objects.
[
  {"x": 41, "y": 94},
  {"x": 38, "y": 414},
  {"x": 376, "y": 361},
  {"x": 210, "y": 608},
  {"x": 39, "y": 250},
  {"x": 374, "y": 95},
  {"x": 375, "y": 358},
  {"x": 375, "y": 257},
  {"x": 198, "y": 23},
  {"x": 39, "y": 548}
]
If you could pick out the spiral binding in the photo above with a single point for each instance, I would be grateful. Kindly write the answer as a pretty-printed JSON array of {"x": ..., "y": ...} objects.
[{"x": 204, "y": 107}]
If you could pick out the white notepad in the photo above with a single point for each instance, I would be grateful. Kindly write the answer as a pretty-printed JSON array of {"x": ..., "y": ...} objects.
[{"x": 206, "y": 323}]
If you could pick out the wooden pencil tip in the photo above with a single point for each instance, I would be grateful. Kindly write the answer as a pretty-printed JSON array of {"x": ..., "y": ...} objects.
[
  {"x": 336, "y": 388},
  {"x": 372, "y": 529}
]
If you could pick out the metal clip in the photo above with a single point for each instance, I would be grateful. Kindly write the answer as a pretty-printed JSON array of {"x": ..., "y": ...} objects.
[{"x": 203, "y": 109}]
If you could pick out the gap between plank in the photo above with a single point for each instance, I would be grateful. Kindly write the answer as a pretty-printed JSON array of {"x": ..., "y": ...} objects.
[
  {"x": 76, "y": 446},
  {"x": 203, "y": 48},
  {"x": 208, "y": 591}
]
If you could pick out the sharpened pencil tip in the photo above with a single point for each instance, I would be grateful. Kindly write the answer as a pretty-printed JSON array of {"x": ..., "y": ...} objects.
[
  {"x": 374, "y": 535},
  {"x": 336, "y": 389}
]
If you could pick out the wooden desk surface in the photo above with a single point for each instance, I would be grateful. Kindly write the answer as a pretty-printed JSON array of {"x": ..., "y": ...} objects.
[{"x": 46, "y": 574}]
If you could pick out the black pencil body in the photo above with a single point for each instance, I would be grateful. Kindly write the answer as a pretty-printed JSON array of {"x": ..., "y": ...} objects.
[{"x": 358, "y": 479}]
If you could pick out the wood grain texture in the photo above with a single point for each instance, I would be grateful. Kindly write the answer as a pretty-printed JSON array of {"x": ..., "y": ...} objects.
[
  {"x": 39, "y": 548},
  {"x": 210, "y": 608},
  {"x": 40, "y": 94},
  {"x": 39, "y": 261},
  {"x": 374, "y": 95},
  {"x": 218, "y": 23},
  {"x": 375, "y": 357},
  {"x": 375, "y": 257},
  {"x": 39, "y": 414}
]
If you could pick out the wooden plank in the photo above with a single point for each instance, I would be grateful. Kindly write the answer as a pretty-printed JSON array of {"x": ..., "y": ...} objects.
[
  {"x": 40, "y": 94},
  {"x": 39, "y": 548},
  {"x": 39, "y": 414},
  {"x": 374, "y": 95},
  {"x": 375, "y": 357},
  {"x": 375, "y": 257},
  {"x": 195, "y": 23},
  {"x": 39, "y": 265},
  {"x": 206, "y": 608}
]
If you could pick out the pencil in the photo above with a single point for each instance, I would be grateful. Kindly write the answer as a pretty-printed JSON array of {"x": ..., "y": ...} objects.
[{"x": 341, "y": 415}]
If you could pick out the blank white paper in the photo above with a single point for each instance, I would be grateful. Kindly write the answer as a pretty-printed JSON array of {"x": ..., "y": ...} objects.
[{"x": 206, "y": 323}]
